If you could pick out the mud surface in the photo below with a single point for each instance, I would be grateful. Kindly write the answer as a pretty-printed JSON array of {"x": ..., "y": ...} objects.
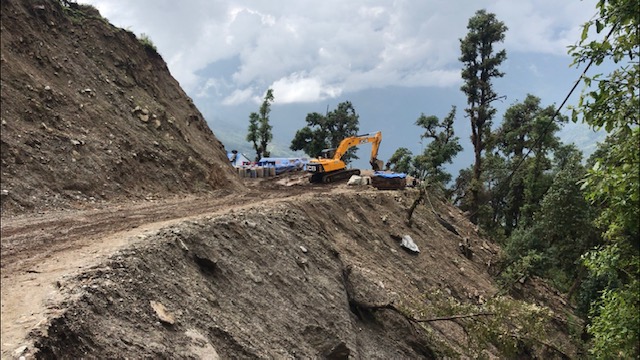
[
  {"x": 38, "y": 249},
  {"x": 277, "y": 272},
  {"x": 236, "y": 276}
]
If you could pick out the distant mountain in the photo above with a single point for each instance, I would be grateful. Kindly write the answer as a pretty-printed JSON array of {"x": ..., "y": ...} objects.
[{"x": 582, "y": 136}]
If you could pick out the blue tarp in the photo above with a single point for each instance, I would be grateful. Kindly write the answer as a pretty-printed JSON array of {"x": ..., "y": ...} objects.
[{"x": 387, "y": 175}]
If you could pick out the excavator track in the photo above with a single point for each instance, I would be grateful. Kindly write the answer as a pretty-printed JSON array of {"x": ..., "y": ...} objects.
[{"x": 333, "y": 176}]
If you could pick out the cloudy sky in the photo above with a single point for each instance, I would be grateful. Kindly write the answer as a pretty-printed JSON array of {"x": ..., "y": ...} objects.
[{"x": 392, "y": 59}]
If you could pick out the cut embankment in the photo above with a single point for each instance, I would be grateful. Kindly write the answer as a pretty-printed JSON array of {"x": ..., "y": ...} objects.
[{"x": 318, "y": 276}]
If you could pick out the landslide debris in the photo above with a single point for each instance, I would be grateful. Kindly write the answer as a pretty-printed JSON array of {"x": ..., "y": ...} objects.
[
  {"x": 315, "y": 276},
  {"x": 91, "y": 115}
]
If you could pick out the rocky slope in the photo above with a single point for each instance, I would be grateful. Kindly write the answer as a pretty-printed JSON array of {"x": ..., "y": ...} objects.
[
  {"x": 313, "y": 276},
  {"x": 90, "y": 114}
]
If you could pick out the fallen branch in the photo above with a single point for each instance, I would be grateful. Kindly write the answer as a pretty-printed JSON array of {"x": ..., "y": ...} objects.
[
  {"x": 541, "y": 342},
  {"x": 413, "y": 320},
  {"x": 452, "y": 317},
  {"x": 443, "y": 318},
  {"x": 446, "y": 224}
]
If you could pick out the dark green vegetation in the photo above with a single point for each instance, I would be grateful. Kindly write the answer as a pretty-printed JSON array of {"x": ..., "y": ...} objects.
[
  {"x": 572, "y": 223},
  {"x": 480, "y": 67},
  {"x": 442, "y": 148},
  {"x": 611, "y": 184},
  {"x": 327, "y": 131}
]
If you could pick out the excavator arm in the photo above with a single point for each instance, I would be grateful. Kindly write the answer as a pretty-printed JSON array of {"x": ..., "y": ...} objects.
[{"x": 374, "y": 138}]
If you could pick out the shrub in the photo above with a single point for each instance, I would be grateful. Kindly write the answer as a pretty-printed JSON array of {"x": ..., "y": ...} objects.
[{"x": 147, "y": 43}]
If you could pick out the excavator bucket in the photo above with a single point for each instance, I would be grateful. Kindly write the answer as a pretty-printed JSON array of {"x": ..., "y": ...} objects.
[{"x": 376, "y": 164}]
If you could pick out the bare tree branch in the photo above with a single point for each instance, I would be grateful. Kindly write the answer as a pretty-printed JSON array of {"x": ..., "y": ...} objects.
[{"x": 453, "y": 317}]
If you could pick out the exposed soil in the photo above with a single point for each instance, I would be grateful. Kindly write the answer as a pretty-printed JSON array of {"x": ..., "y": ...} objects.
[
  {"x": 90, "y": 115},
  {"x": 126, "y": 233},
  {"x": 279, "y": 271},
  {"x": 41, "y": 249}
]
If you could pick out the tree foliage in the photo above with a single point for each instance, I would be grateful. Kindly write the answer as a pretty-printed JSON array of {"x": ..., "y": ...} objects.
[
  {"x": 561, "y": 231},
  {"x": 480, "y": 68},
  {"x": 527, "y": 128},
  {"x": 259, "y": 133},
  {"x": 327, "y": 131},
  {"x": 400, "y": 161},
  {"x": 611, "y": 102},
  {"x": 442, "y": 148},
  {"x": 514, "y": 328},
  {"x": 516, "y": 168}
]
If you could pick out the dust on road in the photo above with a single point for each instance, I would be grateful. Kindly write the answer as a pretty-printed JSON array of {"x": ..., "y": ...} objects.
[{"x": 38, "y": 250}]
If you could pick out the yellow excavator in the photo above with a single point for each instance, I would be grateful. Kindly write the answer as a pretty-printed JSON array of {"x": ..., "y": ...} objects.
[{"x": 329, "y": 167}]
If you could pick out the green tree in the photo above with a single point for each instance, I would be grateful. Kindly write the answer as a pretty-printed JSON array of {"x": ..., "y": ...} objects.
[
  {"x": 480, "y": 68},
  {"x": 527, "y": 128},
  {"x": 461, "y": 186},
  {"x": 611, "y": 102},
  {"x": 562, "y": 229},
  {"x": 400, "y": 161},
  {"x": 442, "y": 148},
  {"x": 327, "y": 131},
  {"x": 495, "y": 194},
  {"x": 259, "y": 128},
  {"x": 564, "y": 156}
]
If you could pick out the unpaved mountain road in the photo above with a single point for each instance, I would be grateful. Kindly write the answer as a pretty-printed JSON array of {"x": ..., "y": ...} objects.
[{"x": 39, "y": 250}]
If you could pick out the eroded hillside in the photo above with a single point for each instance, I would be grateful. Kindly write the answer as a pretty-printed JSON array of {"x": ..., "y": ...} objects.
[
  {"x": 90, "y": 114},
  {"x": 101, "y": 259},
  {"x": 319, "y": 274}
]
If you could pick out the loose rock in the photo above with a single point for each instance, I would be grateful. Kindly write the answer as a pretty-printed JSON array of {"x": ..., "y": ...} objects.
[{"x": 163, "y": 314}]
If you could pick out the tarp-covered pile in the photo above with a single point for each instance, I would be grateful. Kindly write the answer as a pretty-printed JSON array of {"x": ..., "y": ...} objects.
[{"x": 384, "y": 180}]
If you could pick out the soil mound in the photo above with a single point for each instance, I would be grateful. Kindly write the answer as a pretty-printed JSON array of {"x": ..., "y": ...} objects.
[{"x": 91, "y": 114}]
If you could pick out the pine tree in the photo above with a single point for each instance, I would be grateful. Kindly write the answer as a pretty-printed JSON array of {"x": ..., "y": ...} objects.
[
  {"x": 480, "y": 68},
  {"x": 259, "y": 133}
]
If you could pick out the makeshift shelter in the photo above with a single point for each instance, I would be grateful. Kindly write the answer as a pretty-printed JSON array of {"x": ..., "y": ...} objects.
[
  {"x": 238, "y": 159},
  {"x": 283, "y": 165}
]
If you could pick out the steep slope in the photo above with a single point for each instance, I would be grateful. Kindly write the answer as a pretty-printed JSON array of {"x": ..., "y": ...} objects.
[
  {"x": 90, "y": 114},
  {"x": 313, "y": 276}
]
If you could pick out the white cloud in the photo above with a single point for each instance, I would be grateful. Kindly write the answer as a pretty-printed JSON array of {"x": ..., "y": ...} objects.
[
  {"x": 238, "y": 96},
  {"x": 313, "y": 51},
  {"x": 534, "y": 70},
  {"x": 299, "y": 88},
  {"x": 211, "y": 87},
  {"x": 542, "y": 26}
]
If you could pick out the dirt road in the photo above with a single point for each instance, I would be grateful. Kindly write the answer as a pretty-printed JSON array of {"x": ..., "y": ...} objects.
[{"x": 39, "y": 250}]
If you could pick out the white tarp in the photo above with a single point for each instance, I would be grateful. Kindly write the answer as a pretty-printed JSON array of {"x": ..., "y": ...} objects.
[
  {"x": 407, "y": 242},
  {"x": 355, "y": 180}
]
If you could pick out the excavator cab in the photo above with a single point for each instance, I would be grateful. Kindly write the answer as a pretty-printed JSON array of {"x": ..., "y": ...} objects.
[{"x": 328, "y": 153}]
